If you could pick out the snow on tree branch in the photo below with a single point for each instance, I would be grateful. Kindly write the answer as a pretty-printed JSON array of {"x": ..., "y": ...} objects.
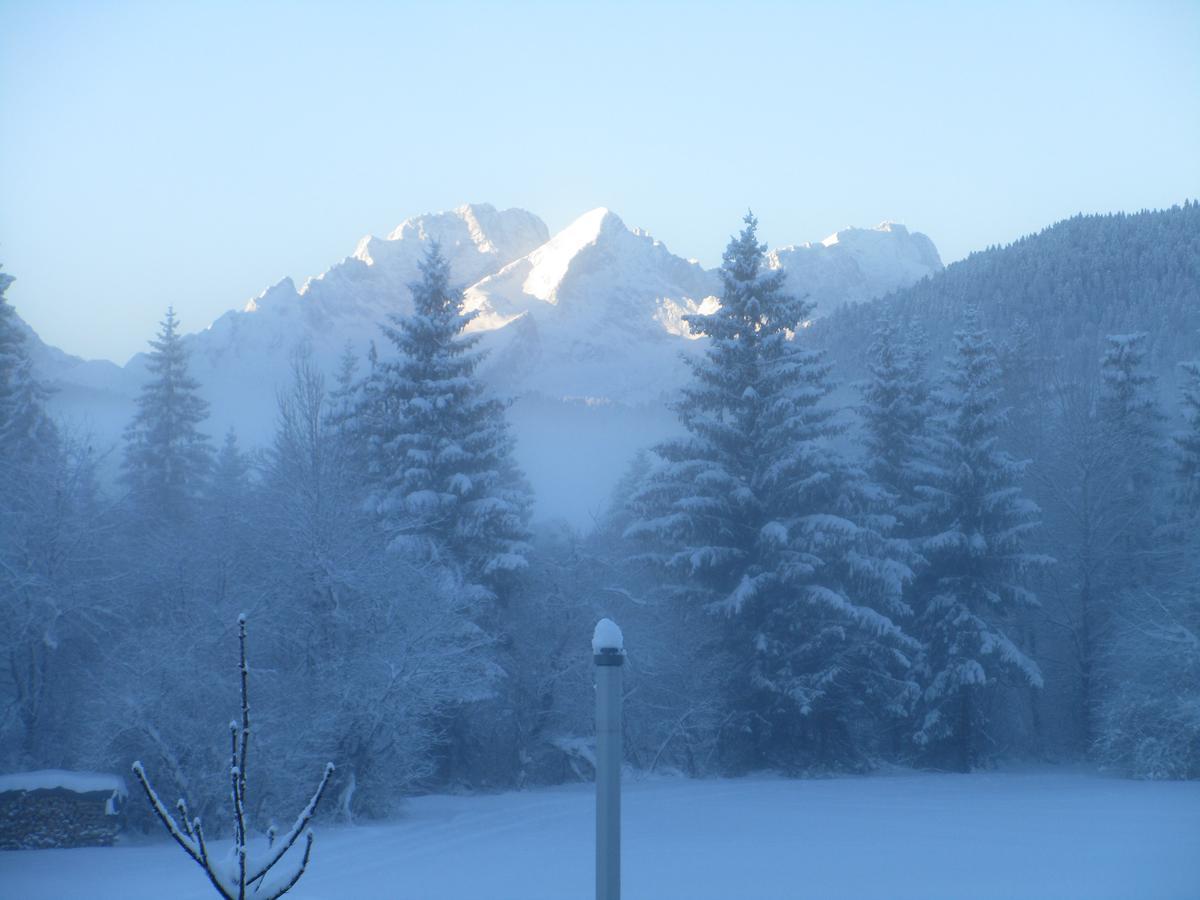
[{"x": 232, "y": 884}]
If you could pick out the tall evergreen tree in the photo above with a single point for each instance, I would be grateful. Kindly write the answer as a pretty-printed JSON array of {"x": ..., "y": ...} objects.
[
  {"x": 1024, "y": 373},
  {"x": 895, "y": 412},
  {"x": 1129, "y": 404},
  {"x": 439, "y": 450},
  {"x": 1133, "y": 423},
  {"x": 227, "y": 517},
  {"x": 53, "y": 574},
  {"x": 26, "y": 431},
  {"x": 28, "y": 441},
  {"x": 344, "y": 398},
  {"x": 975, "y": 584},
  {"x": 1086, "y": 523},
  {"x": 753, "y": 514},
  {"x": 1187, "y": 439},
  {"x": 167, "y": 458},
  {"x": 1149, "y": 717}
]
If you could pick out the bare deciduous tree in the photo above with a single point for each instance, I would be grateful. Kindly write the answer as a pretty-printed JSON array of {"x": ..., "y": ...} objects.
[{"x": 232, "y": 876}]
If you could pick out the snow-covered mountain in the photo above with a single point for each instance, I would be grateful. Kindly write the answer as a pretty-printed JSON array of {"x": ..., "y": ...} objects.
[
  {"x": 585, "y": 328},
  {"x": 246, "y": 354},
  {"x": 594, "y": 314},
  {"x": 857, "y": 264}
]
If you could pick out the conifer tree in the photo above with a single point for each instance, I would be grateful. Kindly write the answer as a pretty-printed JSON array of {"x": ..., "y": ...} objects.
[
  {"x": 895, "y": 411},
  {"x": 1129, "y": 404},
  {"x": 1149, "y": 717},
  {"x": 38, "y": 540},
  {"x": 227, "y": 515},
  {"x": 167, "y": 458},
  {"x": 1024, "y": 370},
  {"x": 26, "y": 432},
  {"x": 1084, "y": 521},
  {"x": 1187, "y": 440},
  {"x": 1133, "y": 425},
  {"x": 754, "y": 515},
  {"x": 975, "y": 583},
  {"x": 230, "y": 469},
  {"x": 438, "y": 446},
  {"x": 344, "y": 398}
]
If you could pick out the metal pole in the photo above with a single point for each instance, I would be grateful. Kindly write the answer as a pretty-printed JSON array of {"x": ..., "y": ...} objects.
[{"x": 608, "y": 770}]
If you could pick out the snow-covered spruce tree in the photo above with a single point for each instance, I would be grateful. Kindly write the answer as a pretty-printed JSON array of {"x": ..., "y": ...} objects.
[
  {"x": 167, "y": 458},
  {"x": 226, "y": 518},
  {"x": 967, "y": 598},
  {"x": 230, "y": 479},
  {"x": 167, "y": 593},
  {"x": 1129, "y": 403},
  {"x": 897, "y": 444},
  {"x": 1130, "y": 411},
  {"x": 1025, "y": 373},
  {"x": 1083, "y": 521},
  {"x": 439, "y": 451},
  {"x": 895, "y": 412},
  {"x": 27, "y": 433},
  {"x": 755, "y": 515},
  {"x": 1149, "y": 719},
  {"x": 245, "y": 871},
  {"x": 35, "y": 507},
  {"x": 1149, "y": 722},
  {"x": 344, "y": 398},
  {"x": 1187, "y": 440},
  {"x": 445, "y": 488},
  {"x": 54, "y": 578},
  {"x": 675, "y": 675}
]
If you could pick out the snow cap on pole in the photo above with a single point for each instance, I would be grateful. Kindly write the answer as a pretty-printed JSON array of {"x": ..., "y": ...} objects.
[{"x": 607, "y": 638}]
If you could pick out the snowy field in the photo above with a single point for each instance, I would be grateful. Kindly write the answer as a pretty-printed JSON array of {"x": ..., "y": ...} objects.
[{"x": 1005, "y": 835}]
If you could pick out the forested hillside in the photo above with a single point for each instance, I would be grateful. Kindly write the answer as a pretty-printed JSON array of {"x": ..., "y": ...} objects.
[
  {"x": 1058, "y": 292},
  {"x": 1096, "y": 325}
]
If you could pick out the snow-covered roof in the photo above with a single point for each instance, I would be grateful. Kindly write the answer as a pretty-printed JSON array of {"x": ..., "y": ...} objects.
[{"x": 50, "y": 779}]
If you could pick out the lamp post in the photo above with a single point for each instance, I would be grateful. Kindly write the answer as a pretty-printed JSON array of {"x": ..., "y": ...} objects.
[{"x": 608, "y": 653}]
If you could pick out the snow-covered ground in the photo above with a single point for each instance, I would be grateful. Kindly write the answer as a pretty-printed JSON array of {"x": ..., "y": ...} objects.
[{"x": 1005, "y": 835}]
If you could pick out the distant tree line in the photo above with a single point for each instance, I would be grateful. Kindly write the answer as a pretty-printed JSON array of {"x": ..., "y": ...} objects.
[{"x": 959, "y": 560}]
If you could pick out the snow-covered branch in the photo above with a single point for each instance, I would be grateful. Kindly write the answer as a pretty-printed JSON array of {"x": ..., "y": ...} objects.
[{"x": 232, "y": 885}]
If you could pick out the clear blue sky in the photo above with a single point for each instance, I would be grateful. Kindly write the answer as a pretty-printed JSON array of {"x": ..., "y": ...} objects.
[{"x": 191, "y": 154}]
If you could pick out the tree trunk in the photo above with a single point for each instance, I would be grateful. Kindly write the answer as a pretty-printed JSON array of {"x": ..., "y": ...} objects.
[
  {"x": 1086, "y": 685},
  {"x": 966, "y": 758}
]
